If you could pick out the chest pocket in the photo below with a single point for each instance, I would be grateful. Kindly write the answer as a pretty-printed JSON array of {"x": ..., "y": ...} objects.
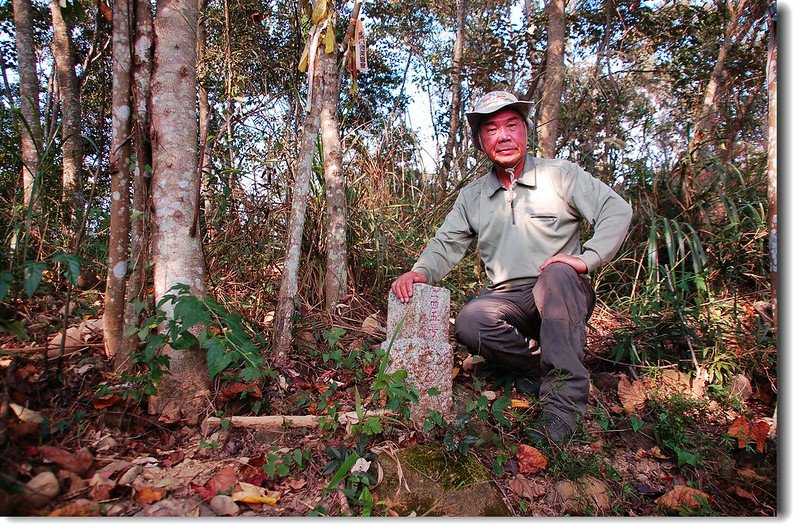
[{"x": 544, "y": 217}]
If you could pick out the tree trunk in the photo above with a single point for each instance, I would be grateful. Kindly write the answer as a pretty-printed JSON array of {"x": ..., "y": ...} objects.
[
  {"x": 142, "y": 69},
  {"x": 706, "y": 117},
  {"x": 70, "y": 95},
  {"x": 30, "y": 128},
  {"x": 553, "y": 80},
  {"x": 120, "y": 222},
  {"x": 177, "y": 256},
  {"x": 204, "y": 111},
  {"x": 285, "y": 307},
  {"x": 335, "y": 195},
  {"x": 455, "y": 98},
  {"x": 772, "y": 154}
]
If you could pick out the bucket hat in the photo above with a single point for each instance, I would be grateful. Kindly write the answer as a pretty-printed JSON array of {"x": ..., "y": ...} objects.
[{"x": 492, "y": 102}]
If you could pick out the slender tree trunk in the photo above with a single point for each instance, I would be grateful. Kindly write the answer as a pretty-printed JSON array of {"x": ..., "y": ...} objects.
[
  {"x": 177, "y": 256},
  {"x": 285, "y": 308},
  {"x": 31, "y": 128},
  {"x": 455, "y": 98},
  {"x": 772, "y": 153},
  {"x": 142, "y": 70},
  {"x": 69, "y": 91},
  {"x": 120, "y": 222},
  {"x": 706, "y": 117},
  {"x": 553, "y": 80},
  {"x": 205, "y": 123},
  {"x": 335, "y": 195}
]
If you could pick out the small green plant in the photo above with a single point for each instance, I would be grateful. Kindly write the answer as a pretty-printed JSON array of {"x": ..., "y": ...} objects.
[
  {"x": 674, "y": 430},
  {"x": 354, "y": 484},
  {"x": 398, "y": 392},
  {"x": 280, "y": 462},
  {"x": 192, "y": 322}
]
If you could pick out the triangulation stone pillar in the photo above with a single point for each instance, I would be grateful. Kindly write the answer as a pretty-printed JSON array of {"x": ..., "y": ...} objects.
[{"x": 422, "y": 348}]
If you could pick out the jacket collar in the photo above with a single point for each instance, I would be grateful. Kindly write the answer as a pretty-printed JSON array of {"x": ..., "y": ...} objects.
[{"x": 528, "y": 179}]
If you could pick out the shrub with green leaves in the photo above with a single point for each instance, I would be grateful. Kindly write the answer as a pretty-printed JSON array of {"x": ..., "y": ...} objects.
[{"x": 194, "y": 323}]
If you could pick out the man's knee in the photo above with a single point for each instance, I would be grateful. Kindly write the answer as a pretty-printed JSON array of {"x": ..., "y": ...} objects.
[
  {"x": 557, "y": 275},
  {"x": 469, "y": 322},
  {"x": 560, "y": 293}
]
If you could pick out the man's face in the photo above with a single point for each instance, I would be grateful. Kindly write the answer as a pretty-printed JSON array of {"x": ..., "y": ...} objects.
[{"x": 504, "y": 138}]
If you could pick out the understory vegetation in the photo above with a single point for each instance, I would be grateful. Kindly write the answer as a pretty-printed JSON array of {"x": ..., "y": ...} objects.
[{"x": 682, "y": 345}]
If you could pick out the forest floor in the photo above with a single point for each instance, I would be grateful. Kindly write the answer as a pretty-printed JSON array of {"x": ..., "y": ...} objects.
[{"x": 655, "y": 441}]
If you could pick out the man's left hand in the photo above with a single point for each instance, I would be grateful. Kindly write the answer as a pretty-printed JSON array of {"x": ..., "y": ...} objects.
[{"x": 572, "y": 261}]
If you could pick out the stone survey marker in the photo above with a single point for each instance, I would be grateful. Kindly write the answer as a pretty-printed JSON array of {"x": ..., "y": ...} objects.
[{"x": 422, "y": 347}]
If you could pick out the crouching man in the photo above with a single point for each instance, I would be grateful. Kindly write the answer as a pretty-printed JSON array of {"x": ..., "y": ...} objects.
[{"x": 525, "y": 214}]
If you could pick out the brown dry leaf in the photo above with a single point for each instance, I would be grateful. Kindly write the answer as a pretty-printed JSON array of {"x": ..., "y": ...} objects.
[
  {"x": 758, "y": 432},
  {"x": 525, "y": 488},
  {"x": 107, "y": 401},
  {"x": 295, "y": 484},
  {"x": 223, "y": 481},
  {"x": 740, "y": 429},
  {"x": 631, "y": 395},
  {"x": 79, "y": 462},
  {"x": 150, "y": 495},
  {"x": 682, "y": 496},
  {"x": 455, "y": 373},
  {"x": 654, "y": 452},
  {"x": 77, "y": 508},
  {"x": 530, "y": 459},
  {"x": 739, "y": 491},
  {"x": 236, "y": 388},
  {"x": 520, "y": 403},
  {"x": 26, "y": 415},
  {"x": 749, "y": 473}
]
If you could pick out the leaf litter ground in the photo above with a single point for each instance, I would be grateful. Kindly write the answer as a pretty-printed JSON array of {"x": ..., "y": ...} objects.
[{"x": 652, "y": 444}]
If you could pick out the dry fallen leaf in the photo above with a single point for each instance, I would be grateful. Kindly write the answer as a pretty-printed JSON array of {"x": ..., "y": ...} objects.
[
  {"x": 26, "y": 414},
  {"x": 759, "y": 432},
  {"x": 79, "y": 462},
  {"x": 530, "y": 459},
  {"x": 632, "y": 395},
  {"x": 150, "y": 495},
  {"x": 654, "y": 452},
  {"x": 107, "y": 401},
  {"x": 748, "y": 473},
  {"x": 525, "y": 488},
  {"x": 520, "y": 403},
  {"x": 682, "y": 496},
  {"x": 223, "y": 481},
  {"x": 77, "y": 508},
  {"x": 254, "y": 494},
  {"x": 739, "y": 491},
  {"x": 740, "y": 429}
]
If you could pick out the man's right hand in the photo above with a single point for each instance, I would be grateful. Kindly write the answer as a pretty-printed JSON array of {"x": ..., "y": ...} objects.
[{"x": 403, "y": 287}]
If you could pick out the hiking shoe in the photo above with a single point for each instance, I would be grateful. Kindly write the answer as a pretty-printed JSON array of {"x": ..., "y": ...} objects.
[
  {"x": 526, "y": 386},
  {"x": 548, "y": 429}
]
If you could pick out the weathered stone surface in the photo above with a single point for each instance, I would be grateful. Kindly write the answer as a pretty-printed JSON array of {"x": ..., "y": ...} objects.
[
  {"x": 421, "y": 347},
  {"x": 430, "y": 368},
  {"x": 426, "y": 316},
  {"x": 437, "y": 483}
]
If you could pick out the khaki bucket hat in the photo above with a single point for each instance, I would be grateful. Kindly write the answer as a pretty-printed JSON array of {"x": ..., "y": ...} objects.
[{"x": 492, "y": 102}]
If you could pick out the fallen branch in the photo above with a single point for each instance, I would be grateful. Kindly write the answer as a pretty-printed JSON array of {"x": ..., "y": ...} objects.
[
  {"x": 287, "y": 421},
  {"x": 37, "y": 349}
]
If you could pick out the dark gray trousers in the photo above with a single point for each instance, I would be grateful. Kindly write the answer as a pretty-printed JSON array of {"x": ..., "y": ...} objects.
[{"x": 499, "y": 325}]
